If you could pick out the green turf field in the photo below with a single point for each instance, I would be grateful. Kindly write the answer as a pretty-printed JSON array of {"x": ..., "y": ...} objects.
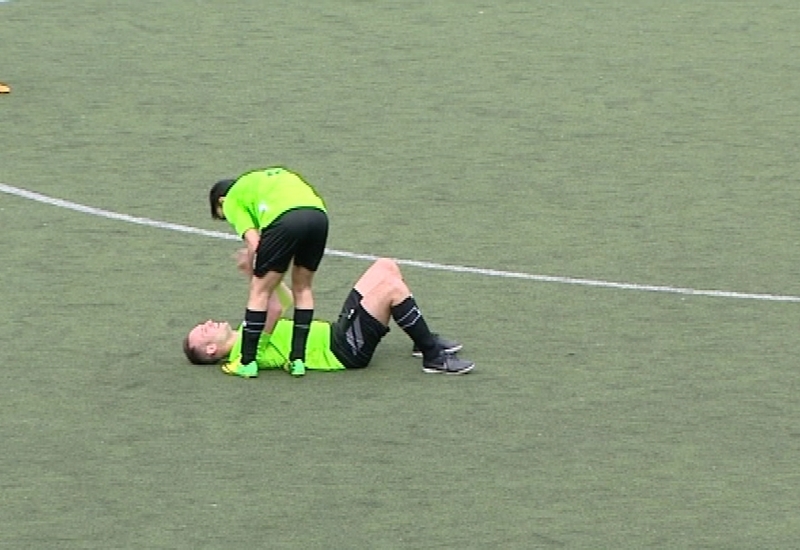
[{"x": 648, "y": 143}]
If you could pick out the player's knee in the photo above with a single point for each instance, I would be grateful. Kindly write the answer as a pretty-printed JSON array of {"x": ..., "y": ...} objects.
[
  {"x": 388, "y": 267},
  {"x": 302, "y": 278},
  {"x": 396, "y": 287},
  {"x": 258, "y": 291}
]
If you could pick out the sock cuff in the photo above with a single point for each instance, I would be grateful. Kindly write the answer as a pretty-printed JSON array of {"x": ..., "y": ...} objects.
[
  {"x": 406, "y": 313},
  {"x": 303, "y": 316},
  {"x": 254, "y": 321},
  {"x": 255, "y": 316}
]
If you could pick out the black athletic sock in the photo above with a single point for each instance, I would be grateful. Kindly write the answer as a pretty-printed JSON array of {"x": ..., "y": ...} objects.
[
  {"x": 302, "y": 324},
  {"x": 409, "y": 318},
  {"x": 252, "y": 328}
]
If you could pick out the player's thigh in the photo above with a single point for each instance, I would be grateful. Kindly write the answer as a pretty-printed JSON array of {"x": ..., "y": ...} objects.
[
  {"x": 378, "y": 306},
  {"x": 276, "y": 248},
  {"x": 313, "y": 237},
  {"x": 300, "y": 234},
  {"x": 355, "y": 336}
]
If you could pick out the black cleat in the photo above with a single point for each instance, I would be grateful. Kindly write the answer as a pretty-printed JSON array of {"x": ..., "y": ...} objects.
[
  {"x": 447, "y": 363},
  {"x": 449, "y": 346}
]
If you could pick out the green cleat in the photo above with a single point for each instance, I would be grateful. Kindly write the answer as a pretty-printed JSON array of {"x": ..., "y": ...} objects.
[
  {"x": 297, "y": 368},
  {"x": 235, "y": 368}
]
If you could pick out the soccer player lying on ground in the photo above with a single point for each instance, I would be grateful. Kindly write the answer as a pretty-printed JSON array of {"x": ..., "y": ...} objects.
[{"x": 349, "y": 343}]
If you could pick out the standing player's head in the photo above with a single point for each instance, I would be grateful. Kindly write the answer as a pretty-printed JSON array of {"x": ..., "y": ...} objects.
[
  {"x": 219, "y": 190},
  {"x": 207, "y": 343}
]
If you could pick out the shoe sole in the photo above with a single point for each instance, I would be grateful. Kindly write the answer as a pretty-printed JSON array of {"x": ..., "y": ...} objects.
[
  {"x": 427, "y": 370},
  {"x": 234, "y": 373},
  {"x": 449, "y": 351},
  {"x": 245, "y": 376}
]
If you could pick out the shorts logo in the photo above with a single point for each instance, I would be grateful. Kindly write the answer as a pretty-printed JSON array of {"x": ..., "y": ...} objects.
[{"x": 355, "y": 338}]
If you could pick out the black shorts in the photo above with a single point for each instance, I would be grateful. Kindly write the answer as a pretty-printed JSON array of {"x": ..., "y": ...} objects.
[
  {"x": 356, "y": 334},
  {"x": 299, "y": 234}
]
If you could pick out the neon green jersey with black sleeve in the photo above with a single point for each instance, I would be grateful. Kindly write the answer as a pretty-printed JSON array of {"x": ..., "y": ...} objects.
[
  {"x": 257, "y": 198},
  {"x": 273, "y": 352}
]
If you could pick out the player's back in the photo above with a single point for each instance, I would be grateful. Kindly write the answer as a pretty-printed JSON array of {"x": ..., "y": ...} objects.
[{"x": 275, "y": 190}]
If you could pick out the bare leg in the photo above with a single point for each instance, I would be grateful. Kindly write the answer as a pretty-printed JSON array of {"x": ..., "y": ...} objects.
[
  {"x": 302, "y": 279},
  {"x": 385, "y": 295},
  {"x": 382, "y": 287},
  {"x": 255, "y": 317},
  {"x": 274, "y": 312},
  {"x": 261, "y": 289}
]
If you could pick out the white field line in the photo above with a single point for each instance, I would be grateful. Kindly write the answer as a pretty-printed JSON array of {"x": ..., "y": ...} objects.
[{"x": 16, "y": 191}]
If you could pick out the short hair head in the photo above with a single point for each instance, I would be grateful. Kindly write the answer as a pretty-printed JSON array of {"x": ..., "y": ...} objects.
[
  {"x": 195, "y": 355},
  {"x": 219, "y": 190}
]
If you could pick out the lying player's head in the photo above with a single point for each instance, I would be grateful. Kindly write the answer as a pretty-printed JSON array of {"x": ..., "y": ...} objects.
[
  {"x": 218, "y": 190},
  {"x": 208, "y": 343}
]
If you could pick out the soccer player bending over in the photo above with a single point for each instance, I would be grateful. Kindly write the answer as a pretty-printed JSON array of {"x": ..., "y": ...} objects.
[
  {"x": 349, "y": 343},
  {"x": 281, "y": 219}
]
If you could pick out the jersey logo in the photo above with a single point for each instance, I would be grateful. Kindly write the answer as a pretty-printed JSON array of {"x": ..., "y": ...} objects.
[{"x": 262, "y": 207}]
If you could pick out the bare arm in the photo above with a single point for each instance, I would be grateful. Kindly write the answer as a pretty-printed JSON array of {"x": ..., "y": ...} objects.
[
  {"x": 274, "y": 312},
  {"x": 251, "y": 238},
  {"x": 284, "y": 294}
]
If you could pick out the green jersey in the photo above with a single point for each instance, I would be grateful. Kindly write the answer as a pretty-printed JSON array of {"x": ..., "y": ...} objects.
[
  {"x": 274, "y": 353},
  {"x": 258, "y": 197}
]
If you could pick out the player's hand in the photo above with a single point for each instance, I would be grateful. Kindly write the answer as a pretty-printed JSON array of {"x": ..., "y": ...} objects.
[{"x": 244, "y": 261}]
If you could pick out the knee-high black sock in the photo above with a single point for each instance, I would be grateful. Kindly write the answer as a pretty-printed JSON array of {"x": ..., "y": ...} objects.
[
  {"x": 251, "y": 331},
  {"x": 302, "y": 324},
  {"x": 409, "y": 318}
]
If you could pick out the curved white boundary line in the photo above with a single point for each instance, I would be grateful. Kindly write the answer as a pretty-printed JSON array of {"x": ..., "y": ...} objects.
[{"x": 10, "y": 190}]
